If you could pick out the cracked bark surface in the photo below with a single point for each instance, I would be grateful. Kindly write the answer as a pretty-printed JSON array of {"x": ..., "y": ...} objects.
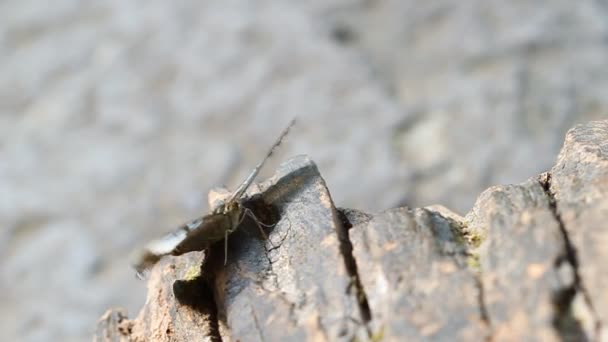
[
  {"x": 579, "y": 185},
  {"x": 414, "y": 271},
  {"x": 522, "y": 261},
  {"x": 528, "y": 262}
]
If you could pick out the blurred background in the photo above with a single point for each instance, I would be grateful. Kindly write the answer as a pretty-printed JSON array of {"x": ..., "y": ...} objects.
[{"x": 117, "y": 117}]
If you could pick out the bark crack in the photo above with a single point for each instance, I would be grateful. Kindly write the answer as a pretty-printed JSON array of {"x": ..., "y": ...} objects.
[
  {"x": 270, "y": 272},
  {"x": 468, "y": 242},
  {"x": 256, "y": 323},
  {"x": 343, "y": 225},
  {"x": 564, "y": 321},
  {"x": 214, "y": 321},
  {"x": 481, "y": 302},
  {"x": 198, "y": 294}
]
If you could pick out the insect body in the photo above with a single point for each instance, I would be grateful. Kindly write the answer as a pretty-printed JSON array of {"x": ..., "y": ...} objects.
[{"x": 202, "y": 232}]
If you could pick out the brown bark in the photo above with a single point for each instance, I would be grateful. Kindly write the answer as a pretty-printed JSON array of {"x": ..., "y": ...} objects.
[{"x": 527, "y": 263}]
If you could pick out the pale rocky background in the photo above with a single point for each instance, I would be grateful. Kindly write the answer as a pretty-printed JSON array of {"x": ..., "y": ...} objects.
[{"x": 117, "y": 117}]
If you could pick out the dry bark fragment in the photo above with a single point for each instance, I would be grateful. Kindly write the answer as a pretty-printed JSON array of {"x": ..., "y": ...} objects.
[
  {"x": 579, "y": 186},
  {"x": 296, "y": 289},
  {"x": 113, "y": 326},
  {"x": 412, "y": 267},
  {"x": 520, "y": 261}
]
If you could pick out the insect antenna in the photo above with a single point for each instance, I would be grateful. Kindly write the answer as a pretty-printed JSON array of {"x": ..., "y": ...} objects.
[{"x": 247, "y": 182}]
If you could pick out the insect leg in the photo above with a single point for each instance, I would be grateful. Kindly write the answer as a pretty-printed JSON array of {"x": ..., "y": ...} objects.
[
  {"x": 225, "y": 247},
  {"x": 259, "y": 224},
  {"x": 228, "y": 231}
]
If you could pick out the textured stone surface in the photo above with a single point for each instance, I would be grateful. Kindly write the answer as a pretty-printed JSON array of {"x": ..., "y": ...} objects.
[{"x": 117, "y": 117}]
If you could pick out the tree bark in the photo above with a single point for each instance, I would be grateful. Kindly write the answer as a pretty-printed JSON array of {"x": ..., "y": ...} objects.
[{"x": 528, "y": 262}]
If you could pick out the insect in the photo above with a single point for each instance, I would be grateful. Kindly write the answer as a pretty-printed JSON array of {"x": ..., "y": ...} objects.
[{"x": 201, "y": 233}]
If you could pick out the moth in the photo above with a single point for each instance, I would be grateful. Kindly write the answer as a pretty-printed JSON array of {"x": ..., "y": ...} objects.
[{"x": 201, "y": 233}]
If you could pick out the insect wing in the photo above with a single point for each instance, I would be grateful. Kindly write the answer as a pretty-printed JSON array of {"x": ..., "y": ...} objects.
[
  {"x": 192, "y": 236},
  {"x": 201, "y": 233}
]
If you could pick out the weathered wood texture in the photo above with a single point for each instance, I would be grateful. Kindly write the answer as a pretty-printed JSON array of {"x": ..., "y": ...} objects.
[
  {"x": 527, "y": 263},
  {"x": 413, "y": 269}
]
